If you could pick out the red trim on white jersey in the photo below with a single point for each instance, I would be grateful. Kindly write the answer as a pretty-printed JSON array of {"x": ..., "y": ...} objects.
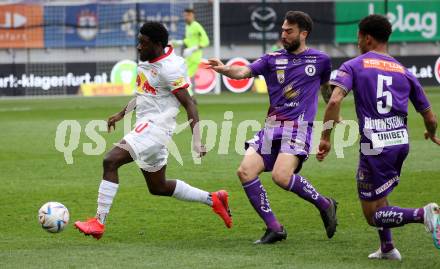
[
  {"x": 180, "y": 88},
  {"x": 170, "y": 50}
]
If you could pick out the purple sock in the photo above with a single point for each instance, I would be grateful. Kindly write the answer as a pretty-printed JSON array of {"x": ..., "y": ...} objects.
[
  {"x": 386, "y": 241},
  {"x": 393, "y": 216},
  {"x": 305, "y": 190},
  {"x": 258, "y": 198}
]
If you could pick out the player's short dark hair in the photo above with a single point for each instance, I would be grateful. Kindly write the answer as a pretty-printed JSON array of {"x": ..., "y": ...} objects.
[
  {"x": 302, "y": 19},
  {"x": 376, "y": 26},
  {"x": 189, "y": 10},
  {"x": 156, "y": 32}
]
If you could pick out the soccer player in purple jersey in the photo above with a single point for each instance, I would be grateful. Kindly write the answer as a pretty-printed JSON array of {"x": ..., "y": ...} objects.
[
  {"x": 381, "y": 88},
  {"x": 294, "y": 76}
]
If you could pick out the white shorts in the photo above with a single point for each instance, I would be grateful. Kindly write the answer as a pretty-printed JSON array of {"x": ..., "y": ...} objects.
[{"x": 148, "y": 144}]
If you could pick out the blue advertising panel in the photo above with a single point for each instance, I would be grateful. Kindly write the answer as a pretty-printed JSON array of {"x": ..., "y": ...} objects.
[
  {"x": 82, "y": 25},
  {"x": 116, "y": 24},
  {"x": 103, "y": 25},
  {"x": 54, "y": 29}
]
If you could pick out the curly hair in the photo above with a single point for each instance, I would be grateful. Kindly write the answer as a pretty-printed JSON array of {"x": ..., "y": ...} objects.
[
  {"x": 376, "y": 26},
  {"x": 156, "y": 32}
]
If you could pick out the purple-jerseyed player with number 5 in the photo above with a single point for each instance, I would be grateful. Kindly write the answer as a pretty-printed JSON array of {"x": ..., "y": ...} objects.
[
  {"x": 382, "y": 88},
  {"x": 294, "y": 76}
]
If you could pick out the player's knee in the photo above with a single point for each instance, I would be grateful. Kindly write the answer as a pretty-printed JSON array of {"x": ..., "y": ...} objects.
[
  {"x": 160, "y": 190},
  {"x": 281, "y": 178},
  {"x": 110, "y": 163},
  {"x": 113, "y": 161},
  {"x": 244, "y": 174}
]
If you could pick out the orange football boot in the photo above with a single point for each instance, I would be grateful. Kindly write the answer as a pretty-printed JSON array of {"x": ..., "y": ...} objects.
[
  {"x": 220, "y": 206},
  {"x": 91, "y": 227}
]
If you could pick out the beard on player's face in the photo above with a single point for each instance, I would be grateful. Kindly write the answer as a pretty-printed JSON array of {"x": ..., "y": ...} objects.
[
  {"x": 147, "y": 53},
  {"x": 293, "y": 45},
  {"x": 144, "y": 55}
]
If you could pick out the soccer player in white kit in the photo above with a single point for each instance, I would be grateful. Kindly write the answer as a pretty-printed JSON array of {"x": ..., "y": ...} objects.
[{"x": 161, "y": 88}]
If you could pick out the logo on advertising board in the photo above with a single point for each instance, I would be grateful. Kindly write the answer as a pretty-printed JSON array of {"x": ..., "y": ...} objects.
[
  {"x": 205, "y": 78},
  {"x": 423, "y": 22},
  {"x": 437, "y": 70},
  {"x": 124, "y": 72},
  {"x": 411, "y": 20},
  {"x": 263, "y": 19},
  {"x": 19, "y": 26},
  {"x": 87, "y": 22},
  {"x": 238, "y": 86}
]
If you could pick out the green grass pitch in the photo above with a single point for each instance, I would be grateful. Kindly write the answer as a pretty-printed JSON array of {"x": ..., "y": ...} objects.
[{"x": 144, "y": 231}]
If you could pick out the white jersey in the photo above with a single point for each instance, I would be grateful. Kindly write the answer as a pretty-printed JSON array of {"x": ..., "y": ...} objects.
[{"x": 156, "y": 83}]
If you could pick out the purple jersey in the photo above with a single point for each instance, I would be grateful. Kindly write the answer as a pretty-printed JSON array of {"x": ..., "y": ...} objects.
[
  {"x": 381, "y": 88},
  {"x": 293, "y": 82}
]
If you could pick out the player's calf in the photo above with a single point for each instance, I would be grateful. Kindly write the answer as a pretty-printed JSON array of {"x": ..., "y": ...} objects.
[{"x": 394, "y": 216}]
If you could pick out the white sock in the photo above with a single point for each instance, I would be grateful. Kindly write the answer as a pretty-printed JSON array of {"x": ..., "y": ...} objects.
[
  {"x": 106, "y": 193},
  {"x": 186, "y": 192}
]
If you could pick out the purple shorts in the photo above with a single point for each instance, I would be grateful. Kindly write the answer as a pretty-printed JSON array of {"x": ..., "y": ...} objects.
[
  {"x": 270, "y": 141},
  {"x": 377, "y": 175}
]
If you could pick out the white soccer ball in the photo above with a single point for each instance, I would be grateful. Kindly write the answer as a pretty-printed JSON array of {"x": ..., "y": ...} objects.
[{"x": 53, "y": 217}]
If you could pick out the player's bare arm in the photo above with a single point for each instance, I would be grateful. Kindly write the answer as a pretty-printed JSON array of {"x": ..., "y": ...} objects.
[
  {"x": 431, "y": 126},
  {"x": 331, "y": 117},
  {"x": 234, "y": 72},
  {"x": 193, "y": 118},
  {"x": 111, "y": 121},
  {"x": 326, "y": 92}
]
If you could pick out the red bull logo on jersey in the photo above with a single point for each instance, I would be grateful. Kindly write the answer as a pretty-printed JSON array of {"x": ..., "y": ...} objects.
[
  {"x": 383, "y": 65},
  {"x": 143, "y": 86}
]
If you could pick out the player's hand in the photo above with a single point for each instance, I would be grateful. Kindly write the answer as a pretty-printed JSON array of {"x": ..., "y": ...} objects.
[
  {"x": 216, "y": 64},
  {"x": 323, "y": 150},
  {"x": 200, "y": 149},
  {"x": 433, "y": 138},
  {"x": 111, "y": 122}
]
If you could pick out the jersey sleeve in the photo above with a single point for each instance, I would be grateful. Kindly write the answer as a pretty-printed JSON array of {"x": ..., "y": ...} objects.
[
  {"x": 326, "y": 70},
  {"x": 176, "y": 77},
  {"x": 204, "y": 40},
  {"x": 343, "y": 77},
  {"x": 417, "y": 95},
  {"x": 259, "y": 66}
]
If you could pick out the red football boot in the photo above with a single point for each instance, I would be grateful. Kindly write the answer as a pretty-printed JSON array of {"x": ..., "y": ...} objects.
[
  {"x": 91, "y": 227},
  {"x": 220, "y": 206}
]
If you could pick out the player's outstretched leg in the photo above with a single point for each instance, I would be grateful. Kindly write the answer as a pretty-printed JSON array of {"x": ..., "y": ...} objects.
[
  {"x": 158, "y": 185},
  {"x": 327, "y": 206},
  {"x": 115, "y": 158},
  {"x": 386, "y": 217},
  {"x": 393, "y": 216}
]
